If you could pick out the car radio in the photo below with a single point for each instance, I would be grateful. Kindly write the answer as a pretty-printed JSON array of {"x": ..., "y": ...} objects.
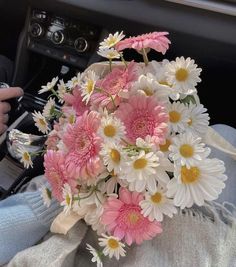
[{"x": 64, "y": 39}]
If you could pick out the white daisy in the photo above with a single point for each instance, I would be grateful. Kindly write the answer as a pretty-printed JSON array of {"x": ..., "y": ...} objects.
[
  {"x": 112, "y": 156},
  {"x": 25, "y": 157},
  {"x": 40, "y": 122},
  {"x": 71, "y": 84},
  {"x": 140, "y": 171},
  {"x": 201, "y": 182},
  {"x": 183, "y": 74},
  {"x": 112, "y": 246},
  {"x": 111, "y": 40},
  {"x": 61, "y": 90},
  {"x": 146, "y": 144},
  {"x": 156, "y": 204},
  {"x": 49, "y": 86},
  {"x": 109, "y": 53},
  {"x": 70, "y": 114},
  {"x": 88, "y": 85},
  {"x": 111, "y": 129},
  {"x": 46, "y": 195},
  {"x": 187, "y": 148},
  {"x": 164, "y": 146},
  {"x": 68, "y": 198},
  {"x": 146, "y": 84},
  {"x": 49, "y": 108},
  {"x": 198, "y": 119},
  {"x": 178, "y": 117},
  {"x": 96, "y": 257}
]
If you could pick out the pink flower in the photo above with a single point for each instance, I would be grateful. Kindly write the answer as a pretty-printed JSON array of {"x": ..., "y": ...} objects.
[
  {"x": 75, "y": 100},
  {"x": 56, "y": 173},
  {"x": 155, "y": 40},
  {"x": 143, "y": 116},
  {"x": 52, "y": 140},
  {"x": 123, "y": 218},
  {"x": 83, "y": 143},
  {"x": 115, "y": 83}
]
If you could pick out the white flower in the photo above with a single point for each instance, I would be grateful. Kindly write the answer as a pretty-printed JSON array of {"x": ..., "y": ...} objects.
[
  {"x": 70, "y": 114},
  {"x": 156, "y": 204},
  {"x": 49, "y": 107},
  {"x": 112, "y": 156},
  {"x": 183, "y": 74},
  {"x": 109, "y": 53},
  {"x": 40, "y": 122},
  {"x": 111, "y": 129},
  {"x": 71, "y": 84},
  {"x": 88, "y": 85},
  {"x": 178, "y": 117},
  {"x": 111, "y": 186},
  {"x": 112, "y": 246},
  {"x": 111, "y": 40},
  {"x": 25, "y": 157},
  {"x": 46, "y": 195},
  {"x": 198, "y": 119},
  {"x": 49, "y": 86},
  {"x": 68, "y": 198},
  {"x": 164, "y": 146},
  {"x": 202, "y": 181},
  {"x": 140, "y": 171},
  {"x": 146, "y": 144},
  {"x": 187, "y": 148},
  {"x": 96, "y": 257},
  {"x": 61, "y": 90}
]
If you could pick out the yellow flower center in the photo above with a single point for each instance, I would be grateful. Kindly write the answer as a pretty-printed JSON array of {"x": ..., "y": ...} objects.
[
  {"x": 189, "y": 175},
  {"x": 186, "y": 151},
  {"x": 109, "y": 130},
  {"x": 175, "y": 116},
  {"x": 71, "y": 119},
  {"x": 133, "y": 218},
  {"x": 68, "y": 199},
  {"x": 112, "y": 243},
  {"x": 42, "y": 122},
  {"x": 156, "y": 198},
  {"x": 181, "y": 75},
  {"x": 90, "y": 86},
  {"x": 112, "y": 41},
  {"x": 165, "y": 147},
  {"x": 26, "y": 156},
  {"x": 190, "y": 122},
  {"x": 140, "y": 164},
  {"x": 115, "y": 155},
  {"x": 148, "y": 91}
]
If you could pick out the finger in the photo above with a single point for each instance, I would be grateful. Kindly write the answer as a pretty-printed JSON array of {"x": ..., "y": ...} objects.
[
  {"x": 3, "y": 128},
  {"x": 4, "y": 107},
  {"x": 4, "y": 118},
  {"x": 11, "y": 92}
]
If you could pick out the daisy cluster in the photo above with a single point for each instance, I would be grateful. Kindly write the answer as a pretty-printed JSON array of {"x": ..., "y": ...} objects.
[{"x": 127, "y": 147}]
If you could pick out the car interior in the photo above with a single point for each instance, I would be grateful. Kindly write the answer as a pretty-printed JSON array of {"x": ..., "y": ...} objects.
[{"x": 50, "y": 38}]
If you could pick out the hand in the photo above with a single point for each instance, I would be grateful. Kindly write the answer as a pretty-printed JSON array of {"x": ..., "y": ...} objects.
[{"x": 5, "y": 94}]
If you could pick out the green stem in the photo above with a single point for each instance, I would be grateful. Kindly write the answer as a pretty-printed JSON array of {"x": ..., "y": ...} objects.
[
  {"x": 55, "y": 93},
  {"x": 123, "y": 60},
  {"x": 110, "y": 63},
  {"x": 145, "y": 57}
]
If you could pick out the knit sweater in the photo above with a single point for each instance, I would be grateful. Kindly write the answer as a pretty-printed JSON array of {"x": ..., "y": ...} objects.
[{"x": 24, "y": 220}]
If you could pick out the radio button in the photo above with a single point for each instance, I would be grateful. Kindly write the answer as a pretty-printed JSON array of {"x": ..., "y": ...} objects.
[
  {"x": 81, "y": 45},
  {"x": 58, "y": 37}
]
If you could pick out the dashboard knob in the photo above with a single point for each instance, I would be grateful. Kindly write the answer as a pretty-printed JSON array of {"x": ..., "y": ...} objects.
[
  {"x": 58, "y": 37},
  {"x": 36, "y": 30},
  {"x": 81, "y": 45}
]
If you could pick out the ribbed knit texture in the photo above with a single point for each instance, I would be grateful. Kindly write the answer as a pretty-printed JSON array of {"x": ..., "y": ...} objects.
[{"x": 24, "y": 220}]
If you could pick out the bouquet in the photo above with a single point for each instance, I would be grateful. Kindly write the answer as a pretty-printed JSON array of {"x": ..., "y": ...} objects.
[{"x": 127, "y": 148}]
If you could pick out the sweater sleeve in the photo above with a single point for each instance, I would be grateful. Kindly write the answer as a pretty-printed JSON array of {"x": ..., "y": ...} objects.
[{"x": 24, "y": 220}]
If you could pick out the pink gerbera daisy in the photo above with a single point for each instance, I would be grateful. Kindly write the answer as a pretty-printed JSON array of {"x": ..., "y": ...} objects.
[
  {"x": 117, "y": 83},
  {"x": 56, "y": 173},
  {"x": 75, "y": 100},
  {"x": 124, "y": 219},
  {"x": 143, "y": 116},
  {"x": 83, "y": 144},
  {"x": 155, "y": 40}
]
